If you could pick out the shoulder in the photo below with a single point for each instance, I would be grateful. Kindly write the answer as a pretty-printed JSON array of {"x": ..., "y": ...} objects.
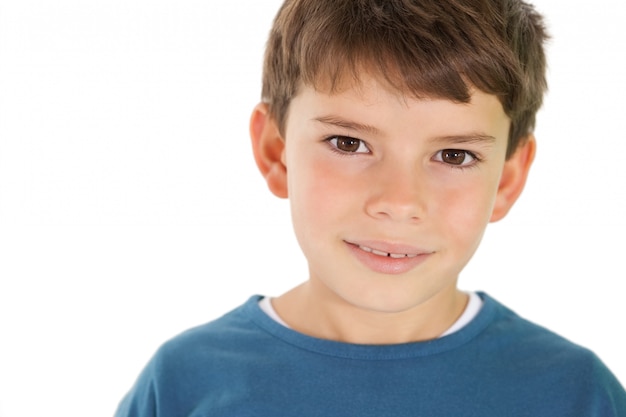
[
  {"x": 539, "y": 357},
  {"x": 194, "y": 363},
  {"x": 508, "y": 334},
  {"x": 232, "y": 331}
]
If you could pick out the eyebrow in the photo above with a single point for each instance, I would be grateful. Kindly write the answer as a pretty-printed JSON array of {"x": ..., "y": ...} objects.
[
  {"x": 466, "y": 138},
  {"x": 347, "y": 124},
  {"x": 475, "y": 137}
]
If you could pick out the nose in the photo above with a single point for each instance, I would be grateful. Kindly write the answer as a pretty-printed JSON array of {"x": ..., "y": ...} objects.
[{"x": 397, "y": 192}]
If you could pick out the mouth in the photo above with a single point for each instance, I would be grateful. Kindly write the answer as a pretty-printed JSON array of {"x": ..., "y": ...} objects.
[
  {"x": 388, "y": 258},
  {"x": 387, "y": 254}
]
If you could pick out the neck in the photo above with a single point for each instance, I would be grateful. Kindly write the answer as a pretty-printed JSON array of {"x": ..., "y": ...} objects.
[{"x": 314, "y": 310}]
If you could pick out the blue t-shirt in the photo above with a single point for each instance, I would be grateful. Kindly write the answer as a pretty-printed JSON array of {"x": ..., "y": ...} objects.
[{"x": 246, "y": 364}]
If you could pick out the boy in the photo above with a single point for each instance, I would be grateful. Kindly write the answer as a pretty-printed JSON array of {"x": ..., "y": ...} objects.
[{"x": 398, "y": 129}]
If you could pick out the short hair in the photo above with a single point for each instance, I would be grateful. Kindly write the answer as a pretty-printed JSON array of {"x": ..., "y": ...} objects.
[{"x": 420, "y": 48}]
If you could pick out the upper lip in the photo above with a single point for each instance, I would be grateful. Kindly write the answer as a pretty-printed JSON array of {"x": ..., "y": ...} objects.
[{"x": 391, "y": 249}]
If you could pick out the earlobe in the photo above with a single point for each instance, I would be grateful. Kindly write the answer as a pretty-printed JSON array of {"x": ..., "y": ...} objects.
[
  {"x": 268, "y": 147},
  {"x": 513, "y": 178}
]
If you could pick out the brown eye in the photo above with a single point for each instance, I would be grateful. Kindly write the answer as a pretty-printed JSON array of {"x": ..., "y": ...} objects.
[
  {"x": 348, "y": 144},
  {"x": 456, "y": 157}
]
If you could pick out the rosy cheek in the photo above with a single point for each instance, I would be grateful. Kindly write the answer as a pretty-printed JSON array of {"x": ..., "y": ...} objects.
[
  {"x": 315, "y": 189},
  {"x": 462, "y": 207},
  {"x": 329, "y": 178}
]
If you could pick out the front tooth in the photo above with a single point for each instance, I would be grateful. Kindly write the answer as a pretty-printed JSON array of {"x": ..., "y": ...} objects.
[{"x": 387, "y": 254}]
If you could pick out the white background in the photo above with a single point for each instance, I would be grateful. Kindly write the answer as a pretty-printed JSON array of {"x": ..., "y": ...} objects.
[{"x": 131, "y": 209}]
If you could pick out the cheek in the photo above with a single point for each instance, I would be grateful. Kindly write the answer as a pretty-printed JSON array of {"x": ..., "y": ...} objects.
[
  {"x": 317, "y": 193},
  {"x": 312, "y": 180},
  {"x": 464, "y": 212}
]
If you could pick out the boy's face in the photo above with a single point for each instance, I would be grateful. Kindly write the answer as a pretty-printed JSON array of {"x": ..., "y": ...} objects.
[{"x": 390, "y": 196}]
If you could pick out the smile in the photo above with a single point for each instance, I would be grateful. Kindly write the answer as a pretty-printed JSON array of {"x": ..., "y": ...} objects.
[
  {"x": 387, "y": 254},
  {"x": 387, "y": 258}
]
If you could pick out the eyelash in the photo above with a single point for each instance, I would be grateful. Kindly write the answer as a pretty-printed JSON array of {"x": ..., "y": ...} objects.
[
  {"x": 472, "y": 164},
  {"x": 335, "y": 147}
]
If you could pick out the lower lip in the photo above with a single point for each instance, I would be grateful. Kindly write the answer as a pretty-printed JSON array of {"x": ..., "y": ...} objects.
[{"x": 387, "y": 264}]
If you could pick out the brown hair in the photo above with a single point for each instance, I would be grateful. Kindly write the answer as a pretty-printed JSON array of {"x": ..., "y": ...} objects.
[{"x": 426, "y": 48}]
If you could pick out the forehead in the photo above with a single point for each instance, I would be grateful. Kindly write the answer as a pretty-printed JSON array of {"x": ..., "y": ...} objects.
[{"x": 373, "y": 92}]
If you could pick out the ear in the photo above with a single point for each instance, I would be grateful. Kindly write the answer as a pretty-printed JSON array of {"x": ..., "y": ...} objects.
[
  {"x": 513, "y": 178},
  {"x": 268, "y": 147}
]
